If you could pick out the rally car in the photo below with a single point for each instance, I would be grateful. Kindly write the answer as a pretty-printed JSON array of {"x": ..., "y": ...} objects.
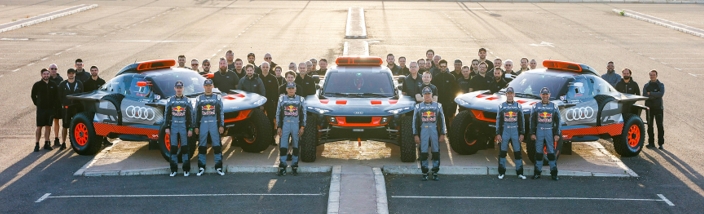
[
  {"x": 358, "y": 101},
  {"x": 131, "y": 107},
  {"x": 589, "y": 107}
]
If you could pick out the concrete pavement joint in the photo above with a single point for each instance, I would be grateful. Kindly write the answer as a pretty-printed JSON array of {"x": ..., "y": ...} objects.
[
  {"x": 45, "y": 17},
  {"x": 382, "y": 204},
  {"x": 334, "y": 191},
  {"x": 662, "y": 22}
]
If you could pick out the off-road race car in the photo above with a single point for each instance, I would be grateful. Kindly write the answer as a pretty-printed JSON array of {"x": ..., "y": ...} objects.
[
  {"x": 358, "y": 100},
  {"x": 131, "y": 107},
  {"x": 589, "y": 107}
]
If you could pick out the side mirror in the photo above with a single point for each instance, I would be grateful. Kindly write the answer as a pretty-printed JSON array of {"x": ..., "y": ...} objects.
[{"x": 316, "y": 79}]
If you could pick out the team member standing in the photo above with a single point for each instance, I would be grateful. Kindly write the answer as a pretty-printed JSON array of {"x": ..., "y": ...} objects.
[
  {"x": 278, "y": 72},
  {"x": 44, "y": 97},
  {"x": 481, "y": 81},
  {"x": 533, "y": 64},
  {"x": 55, "y": 77},
  {"x": 655, "y": 90},
  {"x": 323, "y": 64},
  {"x": 252, "y": 83},
  {"x": 391, "y": 64},
  {"x": 224, "y": 79},
  {"x": 457, "y": 72},
  {"x": 463, "y": 81},
  {"x": 179, "y": 125},
  {"x": 429, "y": 130},
  {"x": 611, "y": 76},
  {"x": 291, "y": 121},
  {"x": 95, "y": 82},
  {"x": 306, "y": 83},
  {"x": 545, "y": 130},
  {"x": 290, "y": 78},
  {"x": 195, "y": 65},
  {"x": 271, "y": 87},
  {"x": 627, "y": 84},
  {"x": 209, "y": 123},
  {"x": 272, "y": 64},
  {"x": 182, "y": 61},
  {"x": 81, "y": 74},
  {"x": 482, "y": 58},
  {"x": 69, "y": 86},
  {"x": 447, "y": 90},
  {"x": 412, "y": 81},
  {"x": 402, "y": 64},
  {"x": 509, "y": 127},
  {"x": 427, "y": 78},
  {"x": 206, "y": 67},
  {"x": 498, "y": 83}
]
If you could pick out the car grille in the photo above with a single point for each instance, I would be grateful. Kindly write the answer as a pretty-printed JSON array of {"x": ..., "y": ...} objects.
[
  {"x": 359, "y": 119},
  {"x": 490, "y": 115},
  {"x": 232, "y": 114}
]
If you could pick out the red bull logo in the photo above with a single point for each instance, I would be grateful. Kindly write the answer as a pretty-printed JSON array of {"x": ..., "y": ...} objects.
[
  {"x": 545, "y": 117},
  {"x": 208, "y": 109},
  {"x": 178, "y": 111},
  {"x": 428, "y": 116},
  {"x": 291, "y": 110},
  {"x": 510, "y": 116}
]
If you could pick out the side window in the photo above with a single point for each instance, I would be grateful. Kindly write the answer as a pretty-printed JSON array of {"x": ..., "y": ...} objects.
[
  {"x": 579, "y": 89},
  {"x": 137, "y": 90},
  {"x": 113, "y": 86},
  {"x": 601, "y": 86}
]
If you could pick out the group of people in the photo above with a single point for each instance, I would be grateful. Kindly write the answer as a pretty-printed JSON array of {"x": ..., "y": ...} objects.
[{"x": 49, "y": 95}]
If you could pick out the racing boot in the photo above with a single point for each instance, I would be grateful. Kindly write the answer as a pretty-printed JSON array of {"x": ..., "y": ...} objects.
[
  {"x": 63, "y": 146},
  {"x": 36, "y": 147},
  {"x": 424, "y": 177},
  {"x": 173, "y": 174},
  {"x": 282, "y": 170},
  {"x": 553, "y": 174},
  {"x": 536, "y": 174},
  {"x": 56, "y": 142},
  {"x": 435, "y": 176},
  {"x": 294, "y": 169},
  {"x": 47, "y": 145},
  {"x": 219, "y": 171}
]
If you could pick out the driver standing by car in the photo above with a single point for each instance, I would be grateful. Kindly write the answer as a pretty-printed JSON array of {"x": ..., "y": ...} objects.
[
  {"x": 509, "y": 127},
  {"x": 429, "y": 128},
  {"x": 69, "y": 86},
  {"x": 178, "y": 114},
  {"x": 291, "y": 120},
  {"x": 209, "y": 119},
  {"x": 545, "y": 129}
]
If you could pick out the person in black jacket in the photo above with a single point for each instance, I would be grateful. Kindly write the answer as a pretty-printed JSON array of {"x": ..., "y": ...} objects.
[
  {"x": 251, "y": 82},
  {"x": 225, "y": 80},
  {"x": 81, "y": 74},
  {"x": 271, "y": 87},
  {"x": 412, "y": 81},
  {"x": 654, "y": 90},
  {"x": 44, "y": 97},
  {"x": 498, "y": 81},
  {"x": 447, "y": 91},
  {"x": 290, "y": 77},
  {"x": 627, "y": 84},
  {"x": 55, "y": 77},
  {"x": 94, "y": 82},
  {"x": 306, "y": 82},
  {"x": 69, "y": 86}
]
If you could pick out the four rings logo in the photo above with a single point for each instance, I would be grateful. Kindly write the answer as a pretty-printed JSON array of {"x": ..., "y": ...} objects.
[
  {"x": 580, "y": 113},
  {"x": 138, "y": 112}
]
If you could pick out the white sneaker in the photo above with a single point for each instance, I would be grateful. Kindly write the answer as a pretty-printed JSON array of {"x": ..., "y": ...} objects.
[
  {"x": 186, "y": 174},
  {"x": 200, "y": 171},
  {"x": 522, "y": 177},
  {"x": 219, "y": 170},
  {"x": 501, "y": 176},
  {"x": 172, "y": 174}
]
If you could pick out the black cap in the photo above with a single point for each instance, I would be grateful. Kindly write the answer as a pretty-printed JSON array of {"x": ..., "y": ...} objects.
[
  {"x": 427, "y": 90},
  {"x": 290, "y": 85},
  {"x": 208, "y": 82},
  {"x": 178, "y": 84},
  {"x": 545, "y": 90},
  {"x": 509, "y": 89}
]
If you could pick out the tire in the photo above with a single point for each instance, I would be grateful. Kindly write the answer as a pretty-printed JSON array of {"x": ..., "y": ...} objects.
[
  {"x": 82, "y": 135},
  {"x": 406, "y": 140},
  {"x": 309, "y": 140},
  {"x": 165, "y": 145},
  {"x": 257, "y": 132},
  {"x": 530, "y": 150},
  {"x": 116, "y": 100},
  {"x": 464, "y": 139},
  {"x": 632, "y": 138}
]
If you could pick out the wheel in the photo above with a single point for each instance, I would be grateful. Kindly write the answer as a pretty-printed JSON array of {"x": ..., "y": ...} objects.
[
  {"x": 632, "y": 138},
  {"x": 165, "y": 145},
  {"x": 530, "y": 150},
  {"x": 464, "y": 137},
  {"x": 309, "y": 139},
  {"x": 407, "y": 141},
  {"x": 82, "y": 135},
  {"x": 257, "y": 132},
  {"x": 116, "y": 100}
]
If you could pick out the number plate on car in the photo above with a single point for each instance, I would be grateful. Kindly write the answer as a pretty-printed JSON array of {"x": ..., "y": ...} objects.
[{"x": 358, "y": 130}]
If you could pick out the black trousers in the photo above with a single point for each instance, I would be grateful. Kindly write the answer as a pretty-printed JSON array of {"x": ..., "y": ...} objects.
[{"x": 656, "y": 114}]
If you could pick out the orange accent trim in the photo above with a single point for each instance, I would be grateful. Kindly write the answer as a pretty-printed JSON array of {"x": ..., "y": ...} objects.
[
  {"x": 244, "y": 114},
  {"x": 359, "y": 61},
  {"x": 376, "y": 102},
  {"x": 611, "y": 130},
  {"x": 492, "y": 98},
  {"x": 324, "y": 101},
  {"x": 240, "y": 95},
  {"x": 155, "y": 64},
  {"x": 562, "y": 65},
  {"x": 342, "y": 122},
  {"x": 229, "y": 97},
  {"x": 103, "y": 129},
  {"x": 480, "y": 96},
  {"x": 521, "y": 101},
  {"x": 392, "y": 102},
  {"x": 209, "y": 75},
  {"x": 480, "y": 116},
  {"x": 341, "y": 102}
]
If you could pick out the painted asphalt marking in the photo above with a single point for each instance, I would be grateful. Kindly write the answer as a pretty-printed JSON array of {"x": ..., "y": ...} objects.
[
  {"x": 662, "y": 198},
  {"x": 48, "y": 195},
  {"x": 45, "y": 17},
  {"x": 30, "y": 64},
  {"x": 334, "y": 191},
  {"x": 15, "y": 70}
]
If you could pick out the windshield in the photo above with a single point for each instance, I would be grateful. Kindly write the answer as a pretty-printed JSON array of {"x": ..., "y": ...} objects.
[
  {"x": 358, "y": 83},
  {"x": 529, "y": 84},
  {"x": 192, "y": 82}
]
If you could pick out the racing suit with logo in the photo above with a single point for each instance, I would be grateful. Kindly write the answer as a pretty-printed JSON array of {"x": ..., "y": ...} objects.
[
  {"x": 290, "y": 117},
  {"x": 428, "y": 124},
  {"x": 510, "y": 124},
  {"x": 179, "y": 120},
  {"x": 545, "y": 124},
  {"x": 209, "y": 117}
]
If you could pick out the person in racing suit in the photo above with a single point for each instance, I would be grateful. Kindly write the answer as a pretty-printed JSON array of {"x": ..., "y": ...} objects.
[
  {"x": 178, "y": 125},
  {"x": 509, "y": 127},
  {"x": 545, "y": 130},
  {"x": 429, "y": 128},
  {"x": 209, "y": 119},
  {"x": 291, "y": 120}
]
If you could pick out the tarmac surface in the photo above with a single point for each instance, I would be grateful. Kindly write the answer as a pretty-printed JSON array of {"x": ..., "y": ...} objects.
[{"x": 117, "y": 33}]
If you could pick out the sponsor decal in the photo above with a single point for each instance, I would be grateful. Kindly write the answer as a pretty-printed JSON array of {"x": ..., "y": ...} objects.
[
  {"x": 428, "y": 116},
  {"x": 140, "y": 112},
  {"x": 178, "y": 111},
  {"x": 291, "y": 110},
  {"x": 581, "y": 113},
  {"x": 510, "y": 116}
]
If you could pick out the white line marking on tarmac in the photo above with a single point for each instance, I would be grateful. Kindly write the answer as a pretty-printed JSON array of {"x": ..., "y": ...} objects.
[
  {"x": 59, "y": 53},
  {"x": 30, "y": 64},
  {"x": 47, "y": 196},
  {"x": 45, "y": 58},
  {"x": 15, "y": 70},
  {"x": 662, "y": 198}
]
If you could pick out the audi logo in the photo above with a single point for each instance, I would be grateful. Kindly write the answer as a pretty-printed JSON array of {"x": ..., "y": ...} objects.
[
  {"x": 138, "y": 112},
  {"x": 580, "y": 113}
]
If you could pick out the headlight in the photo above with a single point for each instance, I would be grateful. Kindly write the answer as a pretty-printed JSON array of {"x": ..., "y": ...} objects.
[
  {"x": 319, "y": 110},
  {"x": 398, "y": 110},
  {"x": 259, "y": 102},
  {"x": 461, "y": 102}
]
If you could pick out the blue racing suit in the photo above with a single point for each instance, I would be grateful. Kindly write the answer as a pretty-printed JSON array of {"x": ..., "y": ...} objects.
[
  {"x": 510, "y": 124},
  {"x": 428, "y": 124},
  {"x": 179, "y": 113},
  {"x": 209, "y": 117},
  {"x": 545, "y": 124},
  {"x": 290, "y": 117}
]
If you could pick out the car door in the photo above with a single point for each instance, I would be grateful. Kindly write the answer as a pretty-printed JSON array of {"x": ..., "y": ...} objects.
[
  {"x": 580, "y": 106},
  {"x": 134, "y": 107}
]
